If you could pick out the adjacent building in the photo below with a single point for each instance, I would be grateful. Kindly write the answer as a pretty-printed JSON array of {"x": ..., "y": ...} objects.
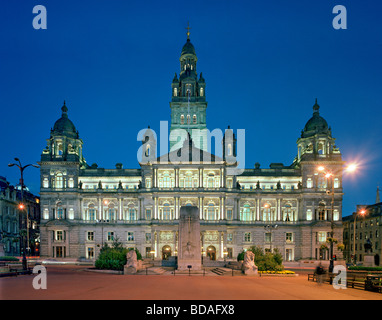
[
  {"x": 283, "y": 206},
  {"x": 13, "y": 221},
  {"x": 363, "y": 226}
]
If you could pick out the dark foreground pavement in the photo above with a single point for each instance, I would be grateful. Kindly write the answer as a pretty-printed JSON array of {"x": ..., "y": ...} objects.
[{"x": 75, "y": 283}]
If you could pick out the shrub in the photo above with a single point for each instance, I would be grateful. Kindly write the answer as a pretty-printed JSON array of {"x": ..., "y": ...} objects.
[
  {"x": 240, "y": 256},
  {"x": 265, "y": 261},
  {"x": 361, "y": 268},
  {"x": 114, "y": 257},
  {"x": 9, "y": 258}
]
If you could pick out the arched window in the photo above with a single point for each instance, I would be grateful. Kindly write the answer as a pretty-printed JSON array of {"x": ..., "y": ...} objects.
[
  {"x": 309, "y": 183},
  {"x": 320, "y": 148},
  {"x": 60, "y": 211},
  {"x": 91, "y": 212},
  {"x": 194, "y": 119},
  {"x": 288, "y": 213},
  {"x": 175, "y": 92},
  {"x": 182, "y": 119},
  {"x": 166, "y": 212},
  {"x": 60, "y": 149},
  {"x": 321, "y": 181},
  {"x": 321, "y": 211},
  {"x": 211, "y": 180},
  {"x": 201, "y": 92},
  {"x": 166, "y": 180},
  {"x": 211, "y": 212},
  {"x": 267, "y": 212},
  {"x": 131, "y": 213},
  {"x": 246, "y": 213},
  {"x": 59, "y": 180},
  {"x": 188, "y": 119},
  {"x": 110, "y": 212}
]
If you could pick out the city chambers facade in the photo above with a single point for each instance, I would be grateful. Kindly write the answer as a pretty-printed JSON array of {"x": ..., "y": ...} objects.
[{"x": 284, "y": 207}]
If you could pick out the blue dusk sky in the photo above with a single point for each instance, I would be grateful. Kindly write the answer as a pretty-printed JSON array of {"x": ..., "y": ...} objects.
[{"x": 264, "y": 62}]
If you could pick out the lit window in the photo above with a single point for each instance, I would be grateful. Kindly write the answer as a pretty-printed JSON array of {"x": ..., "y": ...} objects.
[
  {"x": 194, "y": 119},
  {"x": 148, "y": 214},
  {"x": 90, "y": 236},
  {"x": 246, "y": 213},
  {"x": 130, "y": 236},
  {"x": 182, "y": 119},
  {"x": 288, "y": 213},
  {"x": 59, "y": 235},
  {"x": 166, "y": 212},
  {"x": 211, "y": 211},
  {"x": 59, "y": 181},
  {"x": 309, "y": 215}
]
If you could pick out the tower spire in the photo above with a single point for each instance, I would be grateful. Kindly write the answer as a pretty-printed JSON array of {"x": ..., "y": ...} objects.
[
  {"x": 188, "y": 31},
  {"x": 378, "y": 199},
  {"x": 64, "y": 110},
  {"x": 316, "y": 108}
]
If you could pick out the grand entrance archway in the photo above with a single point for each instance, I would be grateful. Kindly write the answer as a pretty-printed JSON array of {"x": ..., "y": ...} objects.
[
  {"x": 166, "y": 252},
  {"x": 211, "y": 253}
]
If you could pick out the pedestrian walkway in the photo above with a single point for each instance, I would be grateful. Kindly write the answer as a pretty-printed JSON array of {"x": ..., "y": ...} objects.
[{"x": 74, "y": 283}]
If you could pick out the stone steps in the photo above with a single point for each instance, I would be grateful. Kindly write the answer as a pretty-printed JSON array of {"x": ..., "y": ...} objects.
[
  {"x": 219, "y": 271},
  {"x": 156, "y": 270}
]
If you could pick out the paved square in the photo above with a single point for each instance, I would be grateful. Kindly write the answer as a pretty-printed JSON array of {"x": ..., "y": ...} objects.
[{"x": 75, "y": 283}]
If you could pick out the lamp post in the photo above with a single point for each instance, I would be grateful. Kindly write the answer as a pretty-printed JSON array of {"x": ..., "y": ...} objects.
[
  {"x": 269, "y": 228},
  {"x": 330, "y": 176},
  {"x": 362, "y": 213},
  {"x": 21, "y": 205}
]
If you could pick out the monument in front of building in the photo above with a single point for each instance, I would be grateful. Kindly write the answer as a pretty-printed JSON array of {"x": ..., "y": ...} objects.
[
  {"x": 368, "y": 257},
  {"x": 189, "y": 255}
]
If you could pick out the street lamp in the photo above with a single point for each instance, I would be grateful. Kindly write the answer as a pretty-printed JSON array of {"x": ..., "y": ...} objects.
[
  {"x": 21, "y": 205},
  {"x": 362, "y": 213},
  {"x": 269, "y": 228},
  {"x": 330, "y": 175}
]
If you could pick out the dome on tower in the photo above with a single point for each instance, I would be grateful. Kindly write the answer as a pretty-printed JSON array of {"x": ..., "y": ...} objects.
[
  {"x": 188, "y": 48},
  {"x": 315, "y": 124},
  {"x": 64, "y": 126}
]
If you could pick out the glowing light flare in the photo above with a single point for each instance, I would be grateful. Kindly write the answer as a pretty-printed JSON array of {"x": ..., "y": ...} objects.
[
  {"x": 362, "y": 212},
  {"x": 351, "y": 167},
  {"x": 21, "y": 206}
]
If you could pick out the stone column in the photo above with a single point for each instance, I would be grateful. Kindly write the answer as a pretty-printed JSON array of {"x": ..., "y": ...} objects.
[
  {"x": 155, "y": 209},
  {"x": 120, "y": 209}
]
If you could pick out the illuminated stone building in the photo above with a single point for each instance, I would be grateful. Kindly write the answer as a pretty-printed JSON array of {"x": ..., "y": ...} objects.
[{"x": 283, "y": 206}]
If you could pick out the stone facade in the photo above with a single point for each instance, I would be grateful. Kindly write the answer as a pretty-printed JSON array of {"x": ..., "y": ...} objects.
[
  {"x": 358, "y": 228},
  {"x": 12, "y": 220},
  {"x": 283, "y": 207}
]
